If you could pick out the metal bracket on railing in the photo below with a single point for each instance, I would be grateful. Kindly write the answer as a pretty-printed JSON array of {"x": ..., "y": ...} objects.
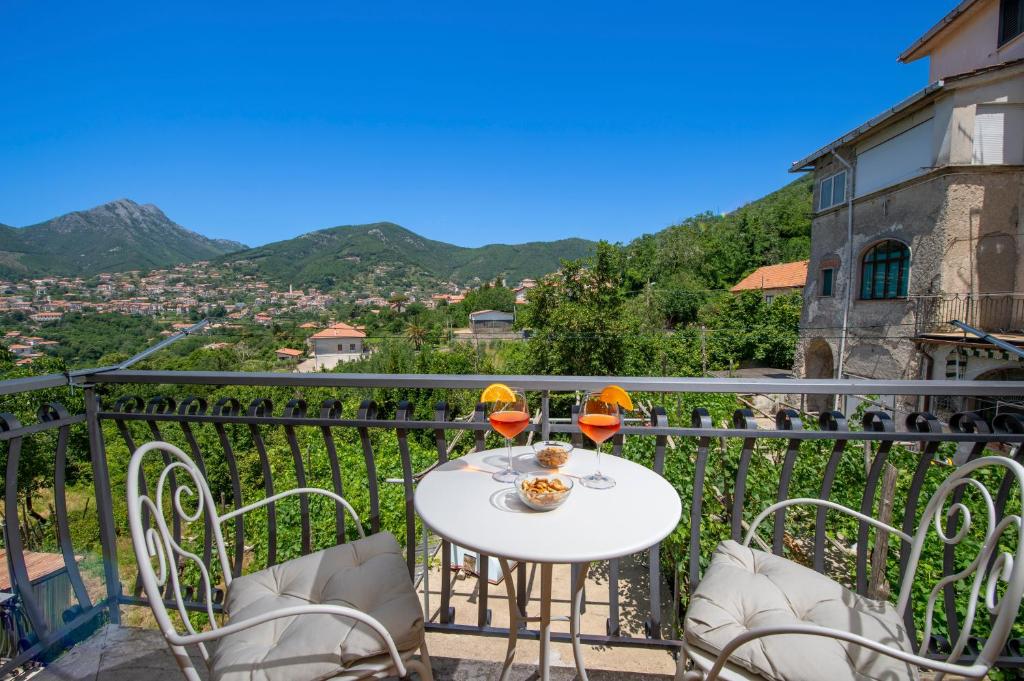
[
  {"x": 968, "y": 422},
  {"x": 192, "y": 406}
]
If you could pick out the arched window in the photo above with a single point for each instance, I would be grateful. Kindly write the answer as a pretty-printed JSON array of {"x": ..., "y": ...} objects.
[{"x": 885, "y": 271}]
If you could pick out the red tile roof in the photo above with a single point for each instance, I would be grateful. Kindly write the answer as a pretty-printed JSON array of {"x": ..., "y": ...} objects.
[
  {"x": 289, "y": 351},
  {"x": 784, "y": 275},
  {"x": 38, "y": 565},
  {"x": 339, "y": 330}
]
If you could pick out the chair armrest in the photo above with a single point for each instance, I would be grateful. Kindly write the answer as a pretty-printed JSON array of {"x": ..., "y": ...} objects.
[
  {"x": 806, "y": 501},
  {"x": 232, "y": 627},
  {"x": 292, "y": 492},
  {"x": 972, "y": 671}
]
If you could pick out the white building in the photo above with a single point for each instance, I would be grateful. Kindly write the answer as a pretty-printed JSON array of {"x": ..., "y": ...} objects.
[{"x": 336, "y": 344}]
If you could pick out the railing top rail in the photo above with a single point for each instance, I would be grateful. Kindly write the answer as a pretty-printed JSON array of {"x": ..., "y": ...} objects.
[
  {"x": 660, "y": 384},
  {"x": 30, "y": 383}
]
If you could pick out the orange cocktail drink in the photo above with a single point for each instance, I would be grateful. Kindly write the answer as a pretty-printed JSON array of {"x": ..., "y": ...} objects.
[
  {"x": 509, "y": 422},
  {"x": 507, "y": 412},
  {"x": 600, "y": 427},
  {"x": 600, "y": 418}
]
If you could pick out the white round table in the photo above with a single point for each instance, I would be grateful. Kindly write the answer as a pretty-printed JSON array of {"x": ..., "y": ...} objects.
[{"x": 462, "y": 503}]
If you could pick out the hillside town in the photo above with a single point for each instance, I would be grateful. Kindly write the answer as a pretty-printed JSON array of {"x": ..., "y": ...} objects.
[{"x": 185, "y": 293}]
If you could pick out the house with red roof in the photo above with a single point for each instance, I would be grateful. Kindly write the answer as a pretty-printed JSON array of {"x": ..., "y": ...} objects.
[
  {"x": 775, "y": 280},
  {"x": 339, "y": 342},
  {"x": 288, "y": 353}
]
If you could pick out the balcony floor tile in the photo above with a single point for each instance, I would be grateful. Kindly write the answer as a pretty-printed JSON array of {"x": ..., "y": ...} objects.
[{"x": 130, "y": 653}]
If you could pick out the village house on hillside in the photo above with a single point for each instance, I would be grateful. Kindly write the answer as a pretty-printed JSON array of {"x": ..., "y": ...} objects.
[
  {"x": 917, "y": 216},
  {"x": 775, "y": 280},
  {"x": 524, "y": 287},
  {"x": 336, "y": 344},
  {"x": 290, "y": 354}
]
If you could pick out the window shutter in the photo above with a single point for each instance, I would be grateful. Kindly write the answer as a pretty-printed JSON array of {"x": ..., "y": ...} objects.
[
  {"x": 899, "y": 158},
  {"x": 1010, "y": 20},
  {"x": 825, "y": 194},
  {"x": 839, "y": 188},
  {"x": 988, "y": 137}
]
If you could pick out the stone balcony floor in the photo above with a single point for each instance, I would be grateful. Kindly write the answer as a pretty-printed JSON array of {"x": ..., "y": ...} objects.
[{"x": 133, "y": 654}]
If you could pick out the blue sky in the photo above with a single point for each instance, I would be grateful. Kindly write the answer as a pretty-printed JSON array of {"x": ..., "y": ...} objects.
[{"x": 467, "y": 122}]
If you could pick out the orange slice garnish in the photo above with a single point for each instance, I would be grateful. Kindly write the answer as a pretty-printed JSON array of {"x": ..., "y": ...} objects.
[
  {"x": 497, "y": 392},
  {"x": 613, "y": 394}
]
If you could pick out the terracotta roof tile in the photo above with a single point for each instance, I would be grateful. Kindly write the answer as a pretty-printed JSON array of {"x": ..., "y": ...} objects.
[
  {"x": 783, "y": 275},
  {"x": 339, "y": 330}
]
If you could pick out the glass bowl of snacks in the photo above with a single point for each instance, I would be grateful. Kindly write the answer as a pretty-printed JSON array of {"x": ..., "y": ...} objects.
[
  {"x": 552, "y": 454},
  {"x": 543, "y": 491}
]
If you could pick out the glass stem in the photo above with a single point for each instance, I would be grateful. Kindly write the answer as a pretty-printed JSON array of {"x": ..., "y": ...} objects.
[
  {"x": 598, "y": 473},
  {"x": 508, "y": 452}
]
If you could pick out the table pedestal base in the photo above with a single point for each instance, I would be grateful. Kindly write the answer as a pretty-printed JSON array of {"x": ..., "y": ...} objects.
[{"x": 517, "y": 619}]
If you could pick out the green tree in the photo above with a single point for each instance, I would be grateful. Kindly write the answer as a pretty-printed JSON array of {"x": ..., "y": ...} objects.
[
  {"x": 417, "y": 334},
  {"x": 746, "y": 327},
  {"x": 398, "y": 300},
  {"x": 576, "y": 321}
]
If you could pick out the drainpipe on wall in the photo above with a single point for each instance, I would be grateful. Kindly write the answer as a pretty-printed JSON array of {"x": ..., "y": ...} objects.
[{"x": 849, "y": 260}]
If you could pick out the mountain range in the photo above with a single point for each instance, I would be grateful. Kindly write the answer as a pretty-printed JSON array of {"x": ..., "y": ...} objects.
[
  {"x": 123, "y": 235},
  {"x": 394, "y": 255},
  {"x": 117, "y": 236}
]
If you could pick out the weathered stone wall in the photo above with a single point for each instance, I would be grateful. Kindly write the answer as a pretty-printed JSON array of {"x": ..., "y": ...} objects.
[{"x": 962, "y": 225}]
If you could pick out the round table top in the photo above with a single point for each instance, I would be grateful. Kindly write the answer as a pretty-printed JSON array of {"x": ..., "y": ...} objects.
[{"x": 461, "y": 502}]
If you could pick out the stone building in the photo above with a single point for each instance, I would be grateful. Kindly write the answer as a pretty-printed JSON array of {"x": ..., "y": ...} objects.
[{"x": 917, "y": 213}]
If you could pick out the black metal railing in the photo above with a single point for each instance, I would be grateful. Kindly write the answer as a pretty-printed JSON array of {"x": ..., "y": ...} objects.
[
  {"x": 993, "y": 312},
  {"x": 726, "y": 463}
]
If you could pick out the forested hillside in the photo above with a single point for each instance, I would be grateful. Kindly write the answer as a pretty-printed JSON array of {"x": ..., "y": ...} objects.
[
  {"x": 708, "y": 253},
  {"x": 398, "y": 258}
]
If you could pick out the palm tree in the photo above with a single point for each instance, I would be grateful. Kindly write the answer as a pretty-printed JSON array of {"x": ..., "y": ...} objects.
[
  {"x": 417, "y": 333},
  {"x": 398, "y": 300}
]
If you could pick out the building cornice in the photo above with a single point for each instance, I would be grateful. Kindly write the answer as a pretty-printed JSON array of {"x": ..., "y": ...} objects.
[
  {"x": 912, "y": 104},
  {"x": 917, "y": 48}
]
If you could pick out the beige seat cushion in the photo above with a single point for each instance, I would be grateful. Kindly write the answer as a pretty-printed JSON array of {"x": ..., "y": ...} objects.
[
  {"x": 369, "y": 575},
  {"x": 746, "y": 589}
]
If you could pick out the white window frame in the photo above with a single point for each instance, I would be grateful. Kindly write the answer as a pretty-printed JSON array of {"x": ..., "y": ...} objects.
[{"x": 828, "y": 185}]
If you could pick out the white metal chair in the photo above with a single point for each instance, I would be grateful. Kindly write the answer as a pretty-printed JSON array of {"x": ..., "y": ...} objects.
[
  {"x": 755, "y": 615},
  {"x": 347, "y": 612}
]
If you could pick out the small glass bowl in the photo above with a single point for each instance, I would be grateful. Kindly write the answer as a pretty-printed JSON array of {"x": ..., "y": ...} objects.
[
  {"x": 543, "y": 499},
  {"x": 552, "y": 460}
]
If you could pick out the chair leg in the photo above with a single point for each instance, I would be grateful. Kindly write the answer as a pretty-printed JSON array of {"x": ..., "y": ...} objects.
[
  {"x": 422, "y": 667},
  {"x": 424, "y": 672},
  {"x": 684, "y": 674},
  {"x": 425, "y": 661}
]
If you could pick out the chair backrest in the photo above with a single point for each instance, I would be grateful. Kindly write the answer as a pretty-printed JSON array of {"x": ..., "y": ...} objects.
[
  {"x": 185, "y": 501},
  {"x": 992, "y": 569}
]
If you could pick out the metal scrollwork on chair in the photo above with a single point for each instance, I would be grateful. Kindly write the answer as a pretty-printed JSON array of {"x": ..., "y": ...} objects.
[
  {"x": 158, "y": 553},
  {"x": 993, "y": 575},
  {"x": 952, "y": 521},
  {"x": 160, "y": 546}
]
